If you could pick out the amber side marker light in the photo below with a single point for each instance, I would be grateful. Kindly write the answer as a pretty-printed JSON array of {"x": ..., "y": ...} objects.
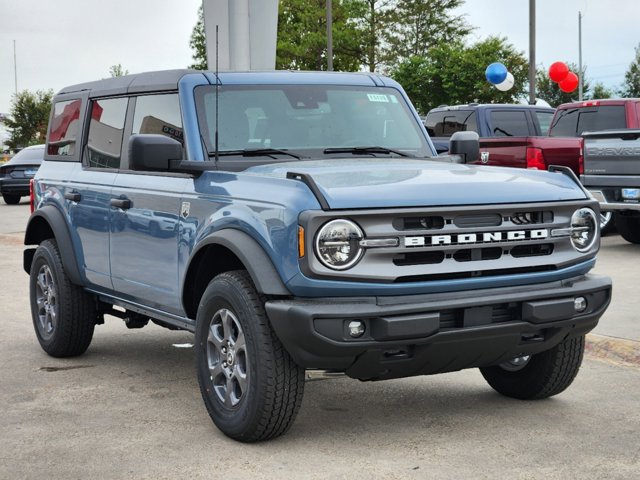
[{"x": 300, "y": 241}]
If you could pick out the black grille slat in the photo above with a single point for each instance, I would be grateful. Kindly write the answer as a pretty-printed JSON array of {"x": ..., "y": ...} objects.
[
  {"x": 522, "y": 251},
  {"x": 419, "y": 258},
  {"x": 474, "y": 274},
  {"x": 425, "y": 222}
]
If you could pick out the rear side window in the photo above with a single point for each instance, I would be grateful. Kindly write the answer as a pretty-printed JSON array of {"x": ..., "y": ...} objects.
[
  {"x": 509, "y": 124},
  {"x": 544, "y": 120},
  {"x": 159, "y": 114},
  {"x": 572, "y": 122},
  {"x": 63, "y": 130},
  {"x": 445, "y": 124},
  {"x": 106, "y": 129}
]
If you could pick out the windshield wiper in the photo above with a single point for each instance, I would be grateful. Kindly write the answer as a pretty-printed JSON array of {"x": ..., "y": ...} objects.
[
  {"x": 372, "y": 149},
  {"x": 256, "y": 152}
]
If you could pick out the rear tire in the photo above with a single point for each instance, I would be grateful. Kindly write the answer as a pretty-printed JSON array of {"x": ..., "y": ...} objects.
[
  {"x": 11, "y": 199},
  {"x": 250, "y": 385},
  {"x": 63, "y": 314},
  {"x": 628, "y": 227},
  {"x": 544, "y": 375},
  {"x": 607, "y": 223}
]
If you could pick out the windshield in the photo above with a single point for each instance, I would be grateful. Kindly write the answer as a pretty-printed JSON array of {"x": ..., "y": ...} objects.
[{"x": 309, "y": 120}]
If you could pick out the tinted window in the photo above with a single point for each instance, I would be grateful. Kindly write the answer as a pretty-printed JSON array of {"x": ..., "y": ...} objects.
[
  {"x": 509, "y": 124},
  {"x": 445, "y": 124},
  {"x": 571, "y": 122},
  {"x": 105, "y": 132},
  {"x": 159, "y": 114},
  {"x": 63, "y": 130},
  {"x": 544, "y": 120}
]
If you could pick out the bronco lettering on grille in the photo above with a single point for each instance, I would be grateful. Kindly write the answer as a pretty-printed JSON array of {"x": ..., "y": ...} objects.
[{"x": 471, "y": 238}]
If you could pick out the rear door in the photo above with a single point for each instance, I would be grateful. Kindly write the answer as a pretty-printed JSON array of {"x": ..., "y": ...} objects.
[{"x": 508, "y": 146}]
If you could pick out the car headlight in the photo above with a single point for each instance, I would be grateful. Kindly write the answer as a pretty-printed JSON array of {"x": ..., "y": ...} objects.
[
  {"x": 338, "y": 244},
  {"x": 584, "y": 229}
]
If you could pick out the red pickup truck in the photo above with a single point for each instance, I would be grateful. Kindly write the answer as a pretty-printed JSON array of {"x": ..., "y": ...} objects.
[
  {"x": 510, "y": 135},
  {"x": 605, "y": 179}
]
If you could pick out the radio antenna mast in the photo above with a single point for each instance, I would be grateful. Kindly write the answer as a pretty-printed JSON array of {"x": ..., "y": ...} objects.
[{"x": 217, "y": 95}]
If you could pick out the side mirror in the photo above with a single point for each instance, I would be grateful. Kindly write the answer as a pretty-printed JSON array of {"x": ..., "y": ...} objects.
[
  {"x": 465, "y": 144},
  {"x": 153, "y": 152}
]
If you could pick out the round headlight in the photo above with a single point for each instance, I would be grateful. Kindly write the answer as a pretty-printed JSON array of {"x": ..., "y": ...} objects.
[
  {"x": 584, "y": 229},
  {"x": 338, "y": 244}
]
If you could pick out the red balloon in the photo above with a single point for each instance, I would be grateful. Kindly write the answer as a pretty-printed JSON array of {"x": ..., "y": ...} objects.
[
  {"x": 558, "y": 71},
  {"x": 570, "y": 83}
]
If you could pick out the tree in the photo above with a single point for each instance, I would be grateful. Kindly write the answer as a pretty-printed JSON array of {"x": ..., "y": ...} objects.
[
  {"x": 117, "y": 71},
  {"x": 302, "y": 35},
  {"x": 631, "y": 85},
  {"x": 419, "y": 25},
  {"x": 374, "y": 22},
  {"x": 198, "y": 43},
  {"x": 452, "y": 73},
  {"x": 28, "y": 118},
  {"x": 601, "y": 92},
  {"x": 548, "y": 90}
]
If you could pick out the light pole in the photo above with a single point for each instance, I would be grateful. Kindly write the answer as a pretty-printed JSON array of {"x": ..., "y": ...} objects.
[
  {"x": 15, "y": 69},
  {"x": 580, "y": 56},
  {"x": 532, "y": 52}
]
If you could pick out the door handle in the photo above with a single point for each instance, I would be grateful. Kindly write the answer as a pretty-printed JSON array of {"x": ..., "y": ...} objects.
[
  {"x": 73, "y": 196},
  {"x": 123, "y": 203}
]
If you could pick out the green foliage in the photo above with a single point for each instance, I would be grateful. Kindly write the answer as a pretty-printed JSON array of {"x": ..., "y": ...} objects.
[
  {"x": 601, "y": 92},
  {"x": 452, "y": 73},
  {"x": 548, "y": 90},
  {"x": 28, "y": 118},
  {"x": 117, "y": 71},
  {"x": 302, "y": 35},
  {"x": 374, "y": 23},
  {"x": 631, "y": 85},
  {"x": 198, "y": 43},
  {"x": 419, "y": 25}
]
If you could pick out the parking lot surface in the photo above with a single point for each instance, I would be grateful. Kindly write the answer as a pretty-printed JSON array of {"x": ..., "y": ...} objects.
[{"x": 130, "y": 408}]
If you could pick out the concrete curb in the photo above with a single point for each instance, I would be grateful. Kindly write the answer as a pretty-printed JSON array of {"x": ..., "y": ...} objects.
[{"x": 618, "y": 351}]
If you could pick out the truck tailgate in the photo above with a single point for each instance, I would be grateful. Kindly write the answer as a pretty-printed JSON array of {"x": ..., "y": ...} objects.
[
  {"x": 615, "y": 152},
  {"x": 564, "y": 151}
]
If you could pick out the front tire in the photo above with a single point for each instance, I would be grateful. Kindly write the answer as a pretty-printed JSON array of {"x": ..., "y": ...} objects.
[
  {"x": 628, "y": 227},
  {"x": 543, "y": 375},
  {"x": 250, "y": 385},
  {"x": 63, "y": 314}
]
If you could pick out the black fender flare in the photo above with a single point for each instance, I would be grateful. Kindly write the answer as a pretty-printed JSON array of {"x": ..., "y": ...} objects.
[
  {"x": 36, "y": 232},
  {"x": 260, "y": 267}
]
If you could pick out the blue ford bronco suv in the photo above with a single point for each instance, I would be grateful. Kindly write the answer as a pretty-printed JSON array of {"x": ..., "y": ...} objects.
[{"x": 298, "y": 220}]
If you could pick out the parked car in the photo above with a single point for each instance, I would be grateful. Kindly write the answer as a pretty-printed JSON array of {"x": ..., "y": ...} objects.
[
  {"x": 510, "y": 135},
  {"x": 307, "y": 223},
  {"x": 16, "y": 174},
  {"x": 575, "y": 118}
]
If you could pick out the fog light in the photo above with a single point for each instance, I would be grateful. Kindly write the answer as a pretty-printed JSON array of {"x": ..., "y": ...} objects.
[
  {"x": 356, "y": 328},
  {"x": 580, "y": 304}
]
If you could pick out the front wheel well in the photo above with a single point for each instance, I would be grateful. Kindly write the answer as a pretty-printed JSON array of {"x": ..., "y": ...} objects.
[
  {"x": 207, "y": 263},
  {"x": 38, "y": 231}
]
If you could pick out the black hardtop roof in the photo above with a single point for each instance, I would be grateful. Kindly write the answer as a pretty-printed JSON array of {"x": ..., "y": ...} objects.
[
  {"x": 169, "y": 79},
  {"x": 139, "y": 82},
  {"x": 477, "y": 106}
]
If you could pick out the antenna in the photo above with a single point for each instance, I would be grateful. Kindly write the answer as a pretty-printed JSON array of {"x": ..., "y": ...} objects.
[{"x": 217, "y": 95}]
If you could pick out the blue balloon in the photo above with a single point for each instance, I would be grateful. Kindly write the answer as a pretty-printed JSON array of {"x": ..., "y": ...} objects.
[{"x": 496, "y": 73}]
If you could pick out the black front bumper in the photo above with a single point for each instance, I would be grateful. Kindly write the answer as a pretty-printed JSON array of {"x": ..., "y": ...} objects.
[{"x": 435, "y": 333}]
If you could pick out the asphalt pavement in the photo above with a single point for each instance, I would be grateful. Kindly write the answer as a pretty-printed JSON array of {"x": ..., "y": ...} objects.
[{"x": 130, "y": 407}]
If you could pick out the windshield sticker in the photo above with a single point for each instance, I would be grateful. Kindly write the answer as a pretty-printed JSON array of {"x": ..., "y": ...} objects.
[
  {"x": 376, "y": 97},
  {"x": 394, "y": 99}
]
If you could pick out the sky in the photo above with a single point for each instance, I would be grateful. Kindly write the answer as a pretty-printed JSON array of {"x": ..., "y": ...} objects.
[{"x": 63, "y": 42}]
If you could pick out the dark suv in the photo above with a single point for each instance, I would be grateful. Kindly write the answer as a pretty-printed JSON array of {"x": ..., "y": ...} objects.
[
  {"x": 297, "y": 220},
  {"x": 16, "y": 174}
]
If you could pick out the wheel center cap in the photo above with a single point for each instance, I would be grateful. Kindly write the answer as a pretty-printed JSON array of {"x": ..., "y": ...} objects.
[{"x": 230, "y": 357}]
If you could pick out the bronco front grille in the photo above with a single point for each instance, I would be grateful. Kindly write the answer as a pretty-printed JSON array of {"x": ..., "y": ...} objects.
[{"x": 455, "y": 243}]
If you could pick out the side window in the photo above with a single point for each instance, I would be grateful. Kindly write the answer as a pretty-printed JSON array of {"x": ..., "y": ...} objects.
[
  {"x": 509, "y": 124},
  {"x": 63, "y": 130},
  {"x": 445, "y": 124},
  {"x": 544, "y": 120},
  {"x": 159, "y": 114},
  {"x": 106, "y": 128}
]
